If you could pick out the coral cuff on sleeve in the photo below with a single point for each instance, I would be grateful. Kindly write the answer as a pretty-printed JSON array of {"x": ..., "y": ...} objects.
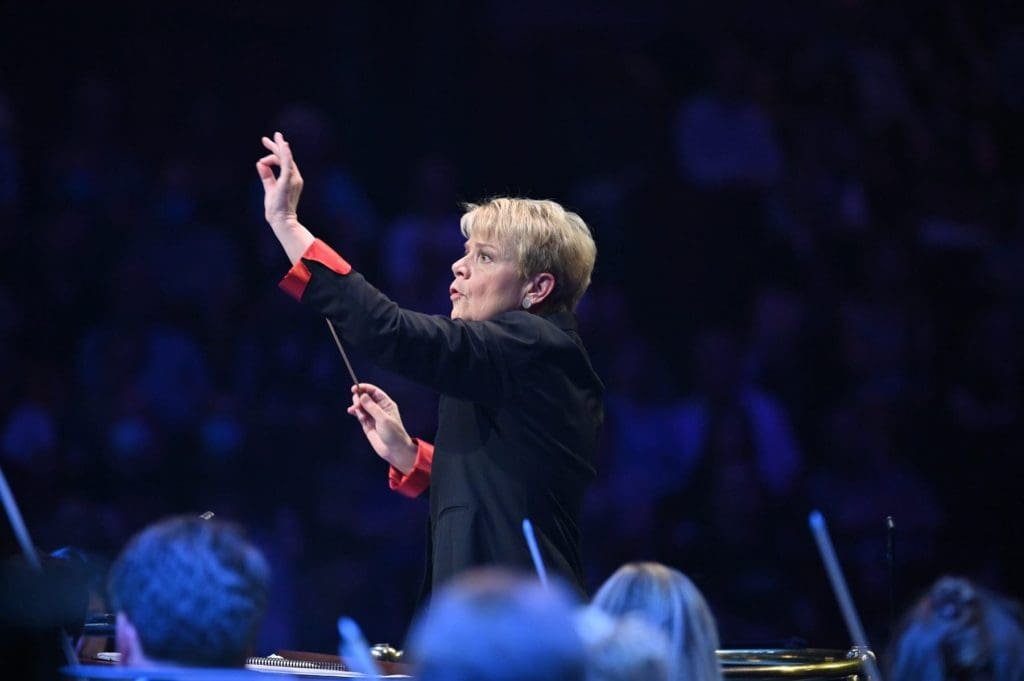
[
  {"x": 413, "y": 483},
  {"x": 294, "y": 283}
]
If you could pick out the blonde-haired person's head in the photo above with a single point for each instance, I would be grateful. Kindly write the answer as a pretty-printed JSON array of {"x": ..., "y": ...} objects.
[
  {"x": 667, "y": 599},
  {"x": 622, "y": 648},
  {"x": 541, "y": 236}
]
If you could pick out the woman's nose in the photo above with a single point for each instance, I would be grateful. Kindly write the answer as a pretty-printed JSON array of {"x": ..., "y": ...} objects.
[{"x": 459, "y": 267}]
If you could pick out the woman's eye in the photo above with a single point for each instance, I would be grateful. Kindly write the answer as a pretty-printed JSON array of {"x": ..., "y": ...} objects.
[{"x": 483, "y": 257}]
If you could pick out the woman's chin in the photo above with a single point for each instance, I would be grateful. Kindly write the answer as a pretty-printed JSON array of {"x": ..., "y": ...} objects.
[{"x": 459, "y": 309}]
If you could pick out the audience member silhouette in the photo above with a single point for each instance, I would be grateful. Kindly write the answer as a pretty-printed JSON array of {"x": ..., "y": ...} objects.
[
  {"x": 188, "y": 592},
  {"x": 489, "y": 624},
  {"x": 667, "y": 599},
  {"x": 959, "y": 632}
]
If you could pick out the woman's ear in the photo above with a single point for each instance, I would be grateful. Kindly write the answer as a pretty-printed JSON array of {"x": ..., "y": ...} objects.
[{"x": 538, "y": 288}]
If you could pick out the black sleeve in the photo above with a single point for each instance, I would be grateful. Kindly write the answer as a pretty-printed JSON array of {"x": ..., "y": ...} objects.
[{"x": 468, "y": 360}]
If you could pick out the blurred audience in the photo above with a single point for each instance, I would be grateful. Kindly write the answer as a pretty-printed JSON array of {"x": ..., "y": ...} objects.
[{"x": 723, "y": 137}]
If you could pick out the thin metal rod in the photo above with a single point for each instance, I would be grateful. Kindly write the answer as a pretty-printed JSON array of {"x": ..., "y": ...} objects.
[
  {"x": 890, "y": 558},
  {"x": 353, "y": 649},
  {"x": 835, "y": 575},
  {"x": 29, "y": 550},
  {"x": 17, "y": 524},
  {"x": 337, "y": 341},
  {"x": 531, "y": 541}
]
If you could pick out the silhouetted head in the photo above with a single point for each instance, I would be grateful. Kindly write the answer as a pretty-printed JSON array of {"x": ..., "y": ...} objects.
[
  {"x": 959, "y": 632},
  {"x": 188, "y": 591},
  {"x": 494, "y": 625}
]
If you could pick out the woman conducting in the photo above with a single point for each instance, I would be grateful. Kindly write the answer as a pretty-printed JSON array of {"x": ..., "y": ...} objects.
[{"x": 520, "y": 405}]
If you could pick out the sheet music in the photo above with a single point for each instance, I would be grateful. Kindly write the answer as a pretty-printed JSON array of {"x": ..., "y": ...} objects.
[{"x": 273, "y": 664}]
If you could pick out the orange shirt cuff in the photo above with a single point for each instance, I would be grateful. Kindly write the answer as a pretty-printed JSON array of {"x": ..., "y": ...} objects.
[
  {"x": 413, "y": 483},
  {"x": 294, "y": 283}
]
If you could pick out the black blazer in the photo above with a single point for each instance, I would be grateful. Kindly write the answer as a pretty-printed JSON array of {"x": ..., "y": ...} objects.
[{"x": 518, "y": 421}]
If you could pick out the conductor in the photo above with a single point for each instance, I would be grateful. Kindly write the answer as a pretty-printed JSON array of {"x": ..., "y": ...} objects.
[{"x": 520, "y": 404}]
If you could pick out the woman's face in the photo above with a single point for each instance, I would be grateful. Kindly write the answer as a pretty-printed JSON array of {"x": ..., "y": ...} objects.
[{"x": 486, "y": 282}]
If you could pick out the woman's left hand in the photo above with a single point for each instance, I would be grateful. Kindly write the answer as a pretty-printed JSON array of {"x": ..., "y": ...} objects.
[{"x": 382, "y": 424}]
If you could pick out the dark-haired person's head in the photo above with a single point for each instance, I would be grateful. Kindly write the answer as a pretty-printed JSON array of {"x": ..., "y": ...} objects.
[
  {"x": 494, "y": 625},
  {"x": 959, "y": 632},
  {"x": 188, "y": 591}
]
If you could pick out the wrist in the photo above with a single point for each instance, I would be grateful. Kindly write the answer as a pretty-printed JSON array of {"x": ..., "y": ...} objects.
[
  {"x": 285, "y": 222},
  {"x": 405, "y": 458},
  {"x": 293, "y": 236}
]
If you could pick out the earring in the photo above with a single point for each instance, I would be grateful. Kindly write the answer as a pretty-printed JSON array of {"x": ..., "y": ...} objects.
[{"x": 527, "y": 303}]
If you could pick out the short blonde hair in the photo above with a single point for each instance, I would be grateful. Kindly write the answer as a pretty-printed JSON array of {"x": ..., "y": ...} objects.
[
  {"x": 668, "y": 600},
  {"x": 542, "y": 237}
]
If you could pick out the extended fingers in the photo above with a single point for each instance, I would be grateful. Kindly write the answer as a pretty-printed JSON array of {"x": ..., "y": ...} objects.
[
  {"x": 274, "y": 144},
  {"x": 280, "y": 149},
  {"x": 284, "y": 154},
  {"x": 279, "y": 146},
  {"x": 281, "y": 156}
]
